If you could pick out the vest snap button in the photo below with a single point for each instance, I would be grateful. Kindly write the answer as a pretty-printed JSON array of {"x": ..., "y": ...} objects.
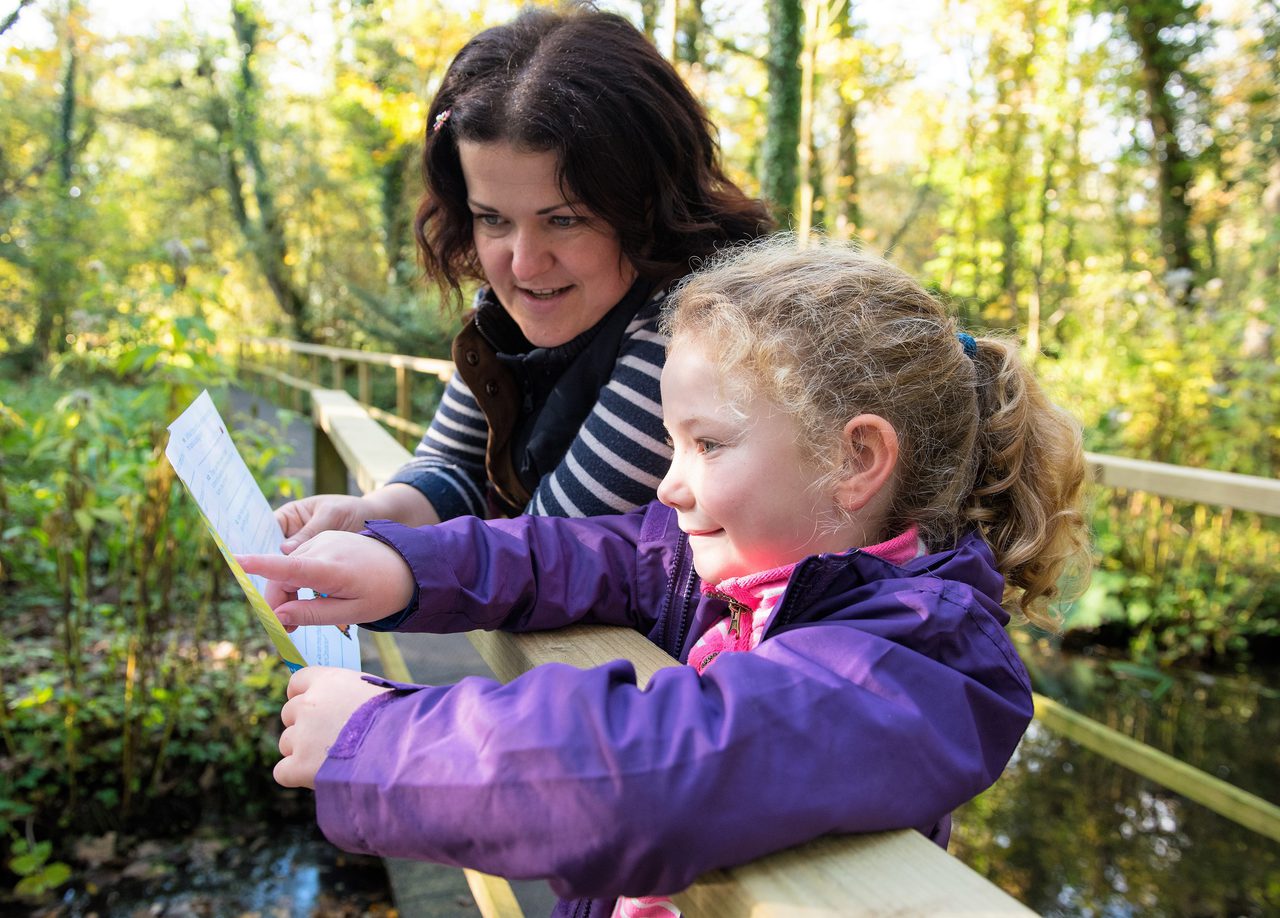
[
  {"x": 472, "y": 358},
  {"x": 491, "y": 387}
]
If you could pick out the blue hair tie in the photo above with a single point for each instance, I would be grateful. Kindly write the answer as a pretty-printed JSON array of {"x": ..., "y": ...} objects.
[{"x": 969, "y": 343}]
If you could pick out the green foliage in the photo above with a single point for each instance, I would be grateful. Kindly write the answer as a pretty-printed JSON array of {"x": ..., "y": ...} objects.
[
  {"x": 133, "y": 683},
  {"x": 1176, "y": 579},
  {"x": 39, "y": 874}
]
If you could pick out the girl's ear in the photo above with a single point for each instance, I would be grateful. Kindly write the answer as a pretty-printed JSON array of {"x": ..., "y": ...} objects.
[{"x": 870, "y": 447}]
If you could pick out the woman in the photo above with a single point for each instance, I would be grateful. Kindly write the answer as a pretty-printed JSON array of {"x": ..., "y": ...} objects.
[{"x": 570, "y": 171}]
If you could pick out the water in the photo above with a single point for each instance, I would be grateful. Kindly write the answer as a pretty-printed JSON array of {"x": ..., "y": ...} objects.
[
  {"x": 1070, "y": 834},
  {"x": 284, "y": 871}
]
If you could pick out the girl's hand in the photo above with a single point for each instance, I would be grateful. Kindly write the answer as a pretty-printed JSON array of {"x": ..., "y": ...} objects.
[
  {"x": 321, "y": 701},
  {"x": 362, "y": 580}
]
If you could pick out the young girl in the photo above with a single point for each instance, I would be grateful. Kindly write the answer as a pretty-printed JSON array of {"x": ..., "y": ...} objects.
[{"x": 856, "y": 493}]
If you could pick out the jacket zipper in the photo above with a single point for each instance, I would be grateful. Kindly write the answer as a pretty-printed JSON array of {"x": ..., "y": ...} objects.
[
  {"x": 683, "y": 633},
  {"x": 736, "y": 609}
]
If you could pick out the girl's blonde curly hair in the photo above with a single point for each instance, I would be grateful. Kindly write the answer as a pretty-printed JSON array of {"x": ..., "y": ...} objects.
[{"x": 828, "y": 332}]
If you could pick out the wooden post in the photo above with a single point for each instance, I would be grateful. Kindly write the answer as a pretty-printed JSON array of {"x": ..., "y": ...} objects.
[
  {"x": 281, "y": 365},
  {"x": 403, "y": 407},
  {"x": 362, "y": 376},
  {"x": 330, "y": 470},
  {"x": 295, "y": 369},
  {"x": 339, "y": 376}
]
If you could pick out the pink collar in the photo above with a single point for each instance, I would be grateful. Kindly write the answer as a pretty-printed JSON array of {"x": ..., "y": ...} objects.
[{"x": 749, "y": 589}]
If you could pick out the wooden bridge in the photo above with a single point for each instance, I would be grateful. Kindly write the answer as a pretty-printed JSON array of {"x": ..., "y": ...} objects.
[{"x": 890, "y": 873}]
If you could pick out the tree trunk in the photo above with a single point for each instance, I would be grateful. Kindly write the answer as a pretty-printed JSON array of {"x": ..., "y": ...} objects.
[
  {"x": 1161, "y": 63},
  {"x": 692, "y": 25},
  {"x": 804, "y": 149},
  {"x": 396, "y": 214},
  {"x": 56, "y": 267},
  {"x": 266, "y": 235},
  {"x": 847, "y": 207},
  {"x": 649, "y": 10},
  {"x": 782, "y": 113},
  {"x": 9, "y": 20}
]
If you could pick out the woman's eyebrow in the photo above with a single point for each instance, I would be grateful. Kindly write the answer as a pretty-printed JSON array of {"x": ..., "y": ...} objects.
[{"x": 477, "y": 205}]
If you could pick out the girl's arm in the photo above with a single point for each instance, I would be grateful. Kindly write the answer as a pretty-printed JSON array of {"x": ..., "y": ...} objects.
[
  {"x": 584, "y": 779},
  {"x": 465, "y": 574}
]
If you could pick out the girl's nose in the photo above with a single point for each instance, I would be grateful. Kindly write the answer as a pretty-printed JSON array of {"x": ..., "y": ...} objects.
[
  {"x": 530, "y": 256},
  {"x": 673, "y": 490}
]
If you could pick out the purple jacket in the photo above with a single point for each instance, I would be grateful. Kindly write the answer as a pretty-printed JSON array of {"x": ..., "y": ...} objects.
[{"x": 881, "y": 697}]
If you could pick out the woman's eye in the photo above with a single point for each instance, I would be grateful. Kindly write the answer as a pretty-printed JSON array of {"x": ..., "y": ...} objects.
[
  {"x": 564, "y": 222},
  {"x": 488, "y": 219}
]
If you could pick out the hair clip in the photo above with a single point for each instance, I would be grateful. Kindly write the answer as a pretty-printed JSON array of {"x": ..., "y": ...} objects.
[
  {"x": 969, "y": 343},
  {"x": 441, "y": 120}
]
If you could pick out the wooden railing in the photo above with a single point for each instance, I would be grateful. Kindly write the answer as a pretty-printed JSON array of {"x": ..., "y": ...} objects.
[{"x": 888, "y": 873}]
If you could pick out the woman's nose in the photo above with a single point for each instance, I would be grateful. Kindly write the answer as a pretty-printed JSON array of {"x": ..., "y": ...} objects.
[{"x": 530, "y": 256}]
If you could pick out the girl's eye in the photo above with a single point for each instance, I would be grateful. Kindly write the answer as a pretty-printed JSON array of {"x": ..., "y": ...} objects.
[
  {"x": 707, "y": 446},
  {"x": 671, "y": 444}
]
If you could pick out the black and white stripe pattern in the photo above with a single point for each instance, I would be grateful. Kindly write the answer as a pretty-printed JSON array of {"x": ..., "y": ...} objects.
[{"x": 613, "y": 465}]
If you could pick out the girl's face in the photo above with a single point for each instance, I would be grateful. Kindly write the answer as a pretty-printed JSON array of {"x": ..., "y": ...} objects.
[
  {"x": 554, "y": 266},
  {"x": 742, "y": 488}
]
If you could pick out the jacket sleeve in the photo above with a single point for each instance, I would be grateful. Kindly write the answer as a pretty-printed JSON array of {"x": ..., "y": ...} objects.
[
  {"x": 582, "y": 778},
  {"x": 525, "y": 574}
]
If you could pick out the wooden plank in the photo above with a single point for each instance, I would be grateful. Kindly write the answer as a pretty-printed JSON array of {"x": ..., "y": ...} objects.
[
  {"x": 396, "y": 423},
  {"x": 881, "y": 874},
  {"x": 1238, "y": 805},
  {"x": 371, "y": 454},
  {"x": 1202, "y": 486},
  {"x": 583, "y": 646},
  {"x": 494, "y": 896}
]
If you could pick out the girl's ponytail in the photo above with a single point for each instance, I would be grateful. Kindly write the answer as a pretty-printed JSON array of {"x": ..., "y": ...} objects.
[{"x": 1029, "y": 484}]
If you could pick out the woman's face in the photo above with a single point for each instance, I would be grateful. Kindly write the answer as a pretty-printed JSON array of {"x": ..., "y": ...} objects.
[{"x": 552, "y": 263}]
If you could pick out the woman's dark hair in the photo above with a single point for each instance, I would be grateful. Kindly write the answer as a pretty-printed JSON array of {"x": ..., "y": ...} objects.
[{"x": 632, "y": 143}]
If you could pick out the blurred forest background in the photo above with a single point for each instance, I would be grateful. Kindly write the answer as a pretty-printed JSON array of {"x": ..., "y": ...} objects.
[{"x": 1099, "y": 177}]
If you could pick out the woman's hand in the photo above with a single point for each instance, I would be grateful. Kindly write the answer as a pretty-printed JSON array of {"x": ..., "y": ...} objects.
[
  {"x": 302, "y": 520},
  {"x": 361, "y": 578},
  {"x": 321, "y": 701}
]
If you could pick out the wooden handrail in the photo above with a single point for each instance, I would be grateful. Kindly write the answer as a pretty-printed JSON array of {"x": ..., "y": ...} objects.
[
  {"x": 431, "y": 366},
  {"x": 888, "y": 873},
  {"x": 1201, "y": 486}
]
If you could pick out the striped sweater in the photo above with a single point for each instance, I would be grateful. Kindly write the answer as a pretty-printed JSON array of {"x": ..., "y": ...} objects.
[{"x": 613, "y": 465}]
